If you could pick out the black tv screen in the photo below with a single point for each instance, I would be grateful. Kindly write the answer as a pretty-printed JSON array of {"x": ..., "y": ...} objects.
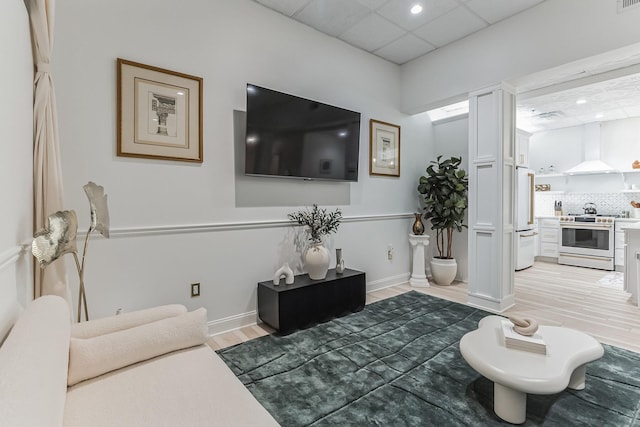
[{"x": 289, "y": 136}]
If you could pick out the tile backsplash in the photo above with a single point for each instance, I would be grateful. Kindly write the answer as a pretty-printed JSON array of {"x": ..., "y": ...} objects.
[{"x": 572, "y": 203}]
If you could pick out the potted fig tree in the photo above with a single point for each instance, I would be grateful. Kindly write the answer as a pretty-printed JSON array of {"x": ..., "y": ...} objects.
[{"x": 445, "y": 201}]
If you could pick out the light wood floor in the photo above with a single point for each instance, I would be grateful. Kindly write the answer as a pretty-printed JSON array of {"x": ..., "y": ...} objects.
[{"x": 554, "y": 294}]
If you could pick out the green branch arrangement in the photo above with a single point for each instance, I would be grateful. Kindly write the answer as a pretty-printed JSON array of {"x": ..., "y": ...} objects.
[{"x": 319, "y": 221}]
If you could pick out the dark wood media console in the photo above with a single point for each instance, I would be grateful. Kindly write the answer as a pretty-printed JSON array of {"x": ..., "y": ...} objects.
[{"x": 307, "y": 302}]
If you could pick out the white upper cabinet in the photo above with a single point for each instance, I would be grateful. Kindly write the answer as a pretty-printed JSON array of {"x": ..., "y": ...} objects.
[{"x": 522, "y": 148}]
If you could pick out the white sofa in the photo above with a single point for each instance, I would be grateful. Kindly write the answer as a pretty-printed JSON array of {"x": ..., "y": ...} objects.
[{"x": 160, "y": 372}]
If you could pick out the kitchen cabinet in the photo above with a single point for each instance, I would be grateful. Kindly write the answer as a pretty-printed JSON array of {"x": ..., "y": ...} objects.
[
  {"x": 620, "y": 239},
  {"x": 522, "y": 148},
  {"x": 549, "y": 237}
]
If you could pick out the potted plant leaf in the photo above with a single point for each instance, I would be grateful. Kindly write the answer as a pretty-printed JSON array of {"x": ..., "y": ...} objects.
[
  {"x": 445, "y": 190},
  {"x": 319, "y": 222}
]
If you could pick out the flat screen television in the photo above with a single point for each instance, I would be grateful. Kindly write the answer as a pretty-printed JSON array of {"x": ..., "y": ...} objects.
[{"x": 293, "y": 137}]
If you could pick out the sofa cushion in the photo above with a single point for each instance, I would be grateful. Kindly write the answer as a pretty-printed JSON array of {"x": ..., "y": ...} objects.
[
  {"x": 33, "y": 365},
  {"x": 107, "y": 325},
  {"x": 95, "y": 356},
  {"x": 191, "y": 387}
]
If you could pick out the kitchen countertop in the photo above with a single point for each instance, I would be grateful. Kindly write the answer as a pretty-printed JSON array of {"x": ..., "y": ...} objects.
[
  {"x": 635, "y": 225},
  {"x": 632, "y": 227}
]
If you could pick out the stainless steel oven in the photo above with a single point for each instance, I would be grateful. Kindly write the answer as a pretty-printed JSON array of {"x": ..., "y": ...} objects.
[{"x": 587, "y": 241}]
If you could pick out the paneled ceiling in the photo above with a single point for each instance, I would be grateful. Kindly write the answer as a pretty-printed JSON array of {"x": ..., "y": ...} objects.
[
  {"x": 388, "y": 29},
  {"x": 612, "y": 99}
]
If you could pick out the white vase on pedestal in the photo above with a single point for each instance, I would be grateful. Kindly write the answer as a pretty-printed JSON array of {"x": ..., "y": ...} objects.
[{"x": 316, "y": 261}]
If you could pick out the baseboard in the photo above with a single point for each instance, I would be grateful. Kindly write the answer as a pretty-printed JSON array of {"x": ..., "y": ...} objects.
[
  {"x": 553, "y": 260},
  {"x": 227, "y": 324},
  {"x": 490, "y": 304},
  {"x": 388, "y": 282}
]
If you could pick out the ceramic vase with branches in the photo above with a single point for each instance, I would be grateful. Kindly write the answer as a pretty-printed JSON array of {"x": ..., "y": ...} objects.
[{"x": 318, "y": 222}]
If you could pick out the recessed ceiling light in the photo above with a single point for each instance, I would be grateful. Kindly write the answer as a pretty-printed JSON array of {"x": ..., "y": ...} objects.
[
  {"x": 581, "y": 101},
  {"x": 599, "y": 115},
  {"x": 416, "y": 9}
]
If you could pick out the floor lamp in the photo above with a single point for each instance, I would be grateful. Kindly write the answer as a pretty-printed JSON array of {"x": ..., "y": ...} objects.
[{"x": 59, "y": 237}]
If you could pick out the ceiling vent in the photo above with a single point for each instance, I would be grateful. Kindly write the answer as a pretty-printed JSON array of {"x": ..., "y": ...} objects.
[
  {"x": 549, "y": 115},
  {"x": 627, "y": 5}
]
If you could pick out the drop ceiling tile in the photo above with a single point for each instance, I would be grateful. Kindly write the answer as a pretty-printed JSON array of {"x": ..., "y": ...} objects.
[
  {"x": 286, "y": 7},
  {"x": 449, "y": 27},
  {"x": 372, "y": 4},
  {"x": 332, "y": 17},
  {"x": 404, "y": 49},
  {"x": 493, "y": 11},
  {"x": 372, "y": 33},
  {"x": 398, "y": 12}
]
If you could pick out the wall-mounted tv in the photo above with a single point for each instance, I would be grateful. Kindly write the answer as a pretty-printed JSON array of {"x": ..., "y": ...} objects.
[{"x": 293, "y": 137}]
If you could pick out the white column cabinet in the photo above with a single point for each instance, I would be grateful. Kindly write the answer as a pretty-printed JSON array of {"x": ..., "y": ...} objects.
[{"x": 491, "y": 198}]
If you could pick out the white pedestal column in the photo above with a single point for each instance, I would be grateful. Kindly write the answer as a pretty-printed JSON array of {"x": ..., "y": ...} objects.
[{"x": 418, "y": 276}]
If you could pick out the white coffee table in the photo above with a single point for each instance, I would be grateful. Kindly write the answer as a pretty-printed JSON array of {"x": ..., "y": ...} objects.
[{"x": 516, "y": 372}]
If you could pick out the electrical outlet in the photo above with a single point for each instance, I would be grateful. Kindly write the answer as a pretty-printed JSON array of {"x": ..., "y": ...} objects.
[
  {"x": 390, "y": 252},
  {"x": 195, "y": 290}
]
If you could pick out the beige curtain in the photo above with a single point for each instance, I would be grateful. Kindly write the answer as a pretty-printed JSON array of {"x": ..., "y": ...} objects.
[{"x": 47, "y": 171}]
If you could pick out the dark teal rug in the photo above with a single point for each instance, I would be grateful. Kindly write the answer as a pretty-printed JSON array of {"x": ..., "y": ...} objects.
[{"x": 397, "y": 363}]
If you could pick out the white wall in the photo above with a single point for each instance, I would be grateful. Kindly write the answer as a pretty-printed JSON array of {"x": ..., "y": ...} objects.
[
  {"x": 16, "y": 147},
  {"x": 228, "y": 43},
  {"x": 563, "y": 148},
  {"x": 620, "y": 142},
  {"x": 548, "y": 35}
]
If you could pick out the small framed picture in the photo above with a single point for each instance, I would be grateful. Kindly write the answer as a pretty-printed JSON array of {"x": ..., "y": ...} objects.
[
  {"x": 384, "y": 148},
  {"x": 159, "y": 113}
]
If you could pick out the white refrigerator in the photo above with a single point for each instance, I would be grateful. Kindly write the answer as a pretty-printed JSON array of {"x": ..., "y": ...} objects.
[{"x": 525, "y": 220}]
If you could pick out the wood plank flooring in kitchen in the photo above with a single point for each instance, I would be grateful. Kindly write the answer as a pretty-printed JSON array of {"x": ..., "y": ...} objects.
[{"x": 554, "y": 294}]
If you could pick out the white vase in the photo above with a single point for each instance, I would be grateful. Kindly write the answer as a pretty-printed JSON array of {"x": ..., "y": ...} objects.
[
  {"x": 316, "y": 261},
  {"x": 339, "y": 261},
  {"x": 443, "y": 271}
]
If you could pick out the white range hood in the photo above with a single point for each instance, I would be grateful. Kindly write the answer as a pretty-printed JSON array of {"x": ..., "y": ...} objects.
[{"x": 592, "y": 162}]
